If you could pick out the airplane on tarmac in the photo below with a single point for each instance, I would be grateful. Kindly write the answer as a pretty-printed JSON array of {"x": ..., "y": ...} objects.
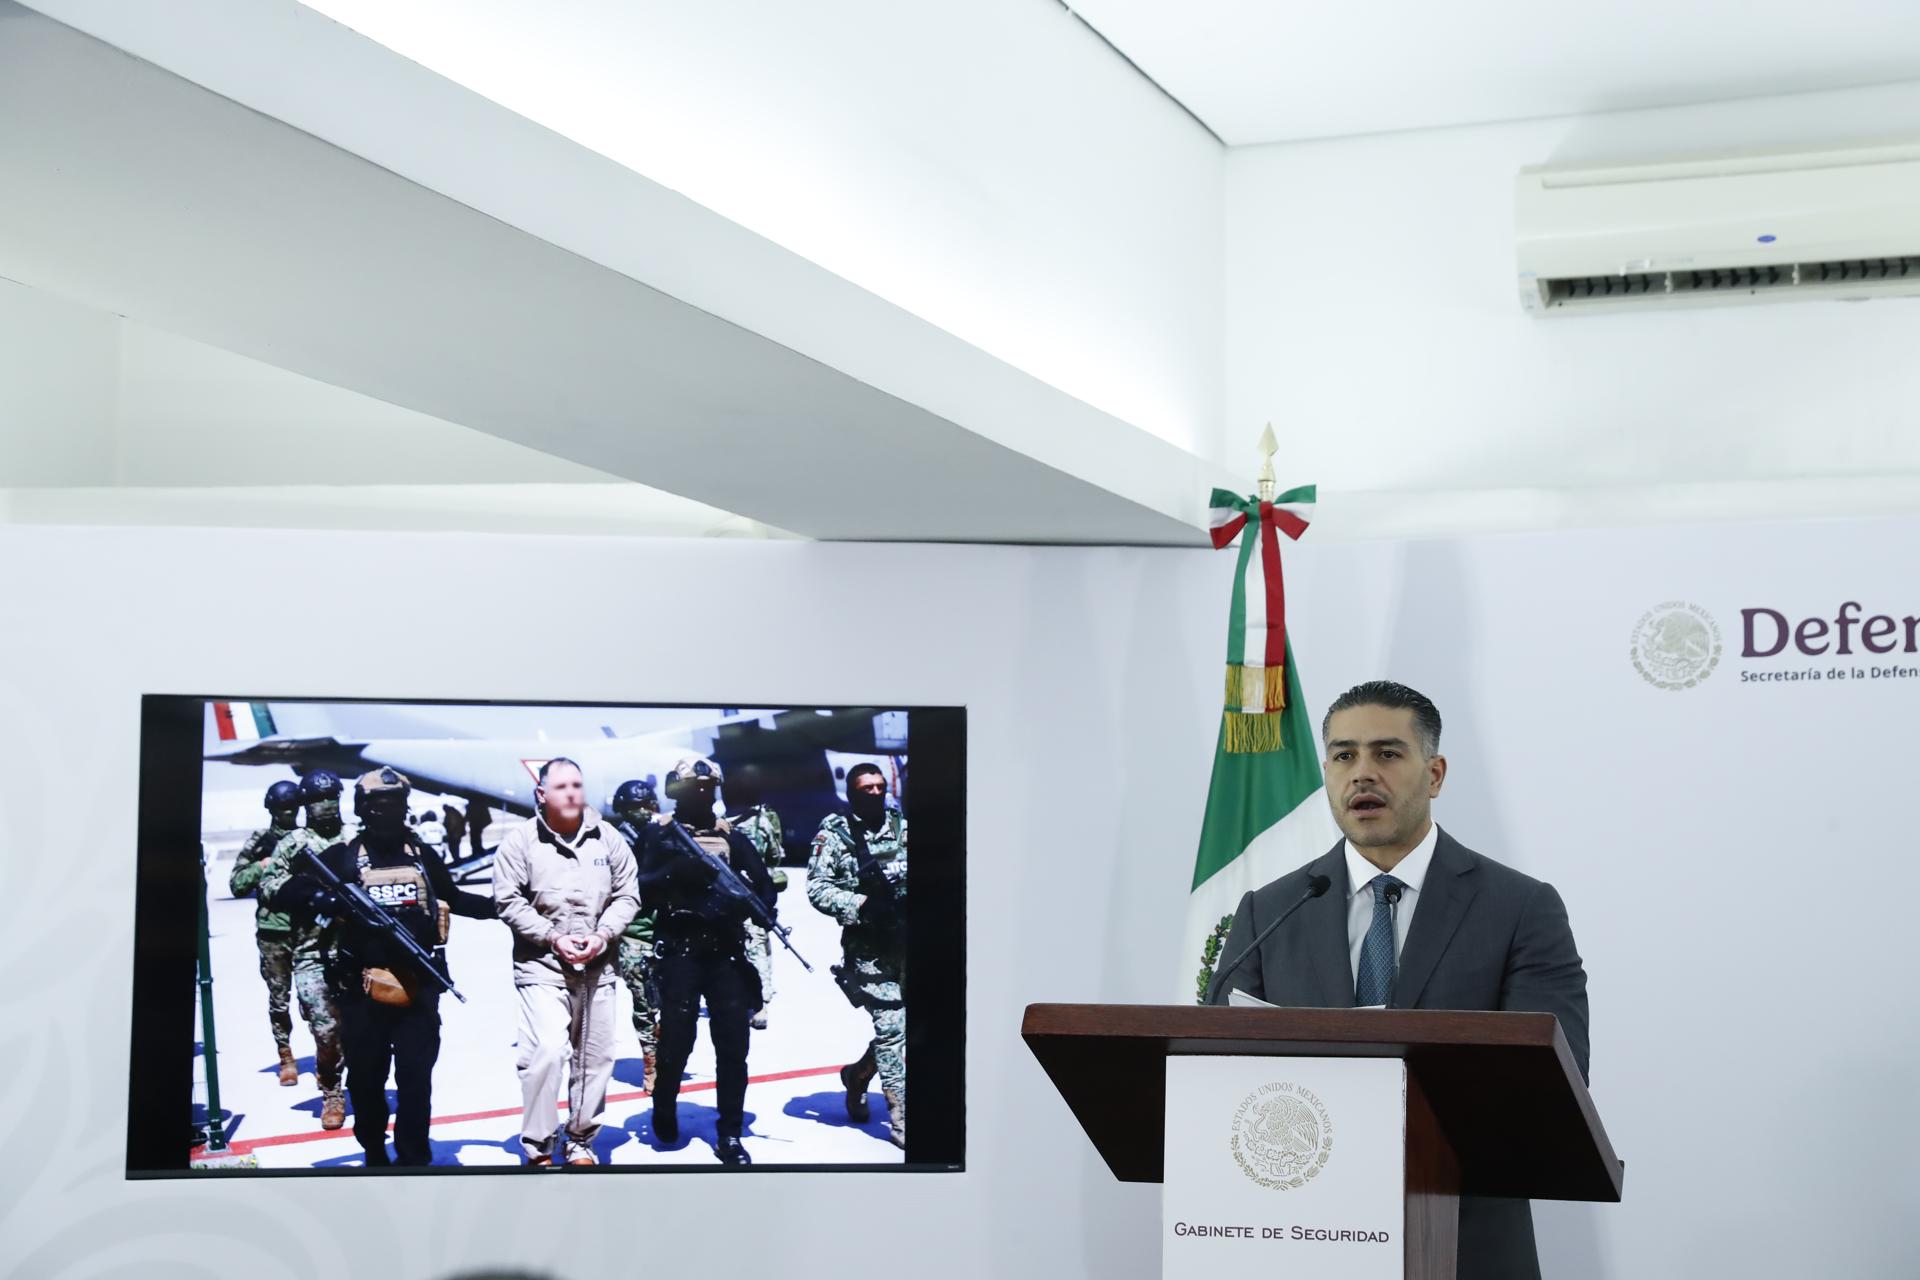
[{"x": 792, "y": 760}]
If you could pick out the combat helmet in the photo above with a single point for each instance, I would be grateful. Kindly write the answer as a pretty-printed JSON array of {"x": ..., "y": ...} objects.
[
  {"x": 635, "y": 794},
  {"x": 690, "y": 771},
  {"x": 319, "y": 784},
  {"x": 381, "y": 792}
]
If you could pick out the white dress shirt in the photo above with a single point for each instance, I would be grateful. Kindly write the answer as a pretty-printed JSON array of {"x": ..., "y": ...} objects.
[{"x": 1411, "y": 871}]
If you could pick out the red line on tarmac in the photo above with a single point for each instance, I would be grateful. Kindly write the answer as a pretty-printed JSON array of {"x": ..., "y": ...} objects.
[{"x": 321, "y": 1135}]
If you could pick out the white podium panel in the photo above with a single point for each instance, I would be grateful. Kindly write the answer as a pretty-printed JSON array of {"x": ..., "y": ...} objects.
[{"x": 1285, "y": 1167}]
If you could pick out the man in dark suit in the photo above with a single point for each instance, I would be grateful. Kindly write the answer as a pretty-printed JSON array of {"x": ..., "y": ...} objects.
[{"x": 1414, "y": 920}]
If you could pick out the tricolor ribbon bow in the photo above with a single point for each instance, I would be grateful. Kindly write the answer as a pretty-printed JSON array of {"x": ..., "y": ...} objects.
[{"x": 1257, "y": 629}]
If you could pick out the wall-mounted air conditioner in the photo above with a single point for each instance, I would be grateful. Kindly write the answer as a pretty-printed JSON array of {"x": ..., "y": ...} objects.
[{"x": 1750, "y": 227}]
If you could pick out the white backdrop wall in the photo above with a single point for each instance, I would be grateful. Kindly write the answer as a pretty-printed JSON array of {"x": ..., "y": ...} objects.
[{"x": 1732, "y": 856}]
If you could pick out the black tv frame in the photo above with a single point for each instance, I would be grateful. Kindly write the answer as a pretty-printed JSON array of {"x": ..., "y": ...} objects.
[{"x": 166, "y": 916}]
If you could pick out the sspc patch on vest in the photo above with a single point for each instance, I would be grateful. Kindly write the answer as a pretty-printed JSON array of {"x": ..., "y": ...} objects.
[
  {"x": 395, "y": 895},
  {"x": 396, "y": 887}
]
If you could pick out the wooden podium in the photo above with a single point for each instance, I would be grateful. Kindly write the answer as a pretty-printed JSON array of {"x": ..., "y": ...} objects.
[{"x": 1495, "y": 1103}]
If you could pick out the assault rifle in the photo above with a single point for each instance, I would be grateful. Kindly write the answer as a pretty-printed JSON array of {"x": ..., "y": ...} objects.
[
  {"x": 358, "y": 905},
  {"x": 728, "y": 884}
]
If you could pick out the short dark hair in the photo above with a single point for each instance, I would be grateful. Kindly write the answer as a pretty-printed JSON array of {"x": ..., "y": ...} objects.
[
  {"x": 862, "y": 770},
  {"x": 542, "y": 776},
  {"x": 1385, "y": 693}
]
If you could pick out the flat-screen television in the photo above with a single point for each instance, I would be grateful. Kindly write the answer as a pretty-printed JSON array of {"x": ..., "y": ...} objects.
[{"x": 455, "y": 937}]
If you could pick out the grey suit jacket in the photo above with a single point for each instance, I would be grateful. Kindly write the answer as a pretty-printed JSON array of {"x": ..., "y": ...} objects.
[{"x": 1484, "y": 936}]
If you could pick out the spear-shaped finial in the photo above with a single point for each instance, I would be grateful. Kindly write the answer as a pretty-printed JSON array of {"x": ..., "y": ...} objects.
[{"x": 1267, "y": 449}]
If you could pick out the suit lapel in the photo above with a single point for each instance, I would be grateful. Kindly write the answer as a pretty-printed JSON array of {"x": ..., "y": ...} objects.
[
  {"x": 1444, "y": 897},
  {"x": 1326, "y": 923}
]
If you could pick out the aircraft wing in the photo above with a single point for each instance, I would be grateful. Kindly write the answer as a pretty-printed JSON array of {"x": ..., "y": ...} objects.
[
  {"x": 499, "y": 772},
  {"x": 303, "y": 754}
]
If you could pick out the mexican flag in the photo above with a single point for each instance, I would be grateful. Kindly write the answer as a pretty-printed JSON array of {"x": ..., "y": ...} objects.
[{"x": 1266, "y": 808}]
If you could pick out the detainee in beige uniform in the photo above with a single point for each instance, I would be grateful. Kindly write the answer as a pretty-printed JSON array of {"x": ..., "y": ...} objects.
[{"x": 564, "y": 882}]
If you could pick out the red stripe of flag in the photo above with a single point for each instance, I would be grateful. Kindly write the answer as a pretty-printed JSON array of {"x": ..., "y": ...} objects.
[
  {"x": 1276, "y": 597},
  {"x": 223, "y": 717}
]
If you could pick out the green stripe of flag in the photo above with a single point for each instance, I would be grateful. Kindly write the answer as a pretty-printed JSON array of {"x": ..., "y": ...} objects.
[
  {"x": 262, "y": 718},
  {"x": 1251, "y": 791}
]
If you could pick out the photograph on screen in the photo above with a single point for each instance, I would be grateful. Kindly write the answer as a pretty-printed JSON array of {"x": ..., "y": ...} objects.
[{"x": 488, "y": 936}]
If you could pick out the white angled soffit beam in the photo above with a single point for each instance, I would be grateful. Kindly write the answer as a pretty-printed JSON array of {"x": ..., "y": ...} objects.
[{"x": 301, "y": 195}]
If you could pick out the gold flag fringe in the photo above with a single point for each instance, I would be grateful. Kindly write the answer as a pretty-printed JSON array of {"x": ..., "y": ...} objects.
[
  {"x": 1252, "y": 734},
  {"x": 1262, "y": 686}
]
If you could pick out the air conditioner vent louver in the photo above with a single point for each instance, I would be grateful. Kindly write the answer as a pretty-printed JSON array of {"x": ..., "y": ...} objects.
[{"x": 1854, "y": 275}]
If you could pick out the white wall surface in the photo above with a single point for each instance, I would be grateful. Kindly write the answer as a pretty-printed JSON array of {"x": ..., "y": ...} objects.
[
  {"x": 107, "y": 421},
  {"x": 59, "y": 384},
  {"x": 88, "y": 398},
  {"x": 1731, "y": 856},
  {"x": 1373, "y": 317}
]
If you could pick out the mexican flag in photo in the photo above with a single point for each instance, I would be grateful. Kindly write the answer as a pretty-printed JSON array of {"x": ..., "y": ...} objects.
[{"x": 1266, "y": 808}]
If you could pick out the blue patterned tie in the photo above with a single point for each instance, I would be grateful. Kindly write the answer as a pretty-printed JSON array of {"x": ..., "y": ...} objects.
[{"x": 1375, "y": 981}]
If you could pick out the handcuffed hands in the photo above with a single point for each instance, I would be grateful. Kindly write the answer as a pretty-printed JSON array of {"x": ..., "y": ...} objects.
[{"x": 577, "y": 948}]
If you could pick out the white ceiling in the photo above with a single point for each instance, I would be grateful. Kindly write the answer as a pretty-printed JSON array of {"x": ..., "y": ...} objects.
[
  {"x": 1264, "y": 71},
  {"x": 142, "y": 195}
]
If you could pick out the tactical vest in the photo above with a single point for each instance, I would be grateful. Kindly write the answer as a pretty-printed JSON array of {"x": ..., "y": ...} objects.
[
  {"x": 406, "y": 893},
  {"x": 711, "y": 910},
  {"x": 882, "y": 931}
]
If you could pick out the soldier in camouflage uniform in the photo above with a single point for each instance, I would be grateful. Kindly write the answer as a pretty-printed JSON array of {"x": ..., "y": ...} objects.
[
  {"x": 858, "y": 875},
  {"x": 320, "y": 792},
  {"x": 761, "y": 825},
  {"x": 634, "y": 806},
  {"x": 272, "y": 929}
]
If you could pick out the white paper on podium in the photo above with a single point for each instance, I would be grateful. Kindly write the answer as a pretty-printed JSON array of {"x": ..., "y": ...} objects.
[
  {"x": 1284, "y": 1166},
  {"x": 1238, "y": 999}
]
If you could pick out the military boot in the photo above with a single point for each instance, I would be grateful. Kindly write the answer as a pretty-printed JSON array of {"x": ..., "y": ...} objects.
[
  {"x": 896, "y": 1116},
  {"x": 289, "y": 1069},
  {"x": 666, "y": 1120},
  {"x": 855, "y": 1076},
  {"x": 649, "y": 1069},
  {"x": 333, "y": 1107}
]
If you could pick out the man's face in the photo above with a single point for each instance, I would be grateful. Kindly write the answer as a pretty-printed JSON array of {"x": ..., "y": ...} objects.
[
  {"x": 872, "y": 786},
  {"x": 563, "y": 796},
  {"x": 1380, "y": 787}
]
